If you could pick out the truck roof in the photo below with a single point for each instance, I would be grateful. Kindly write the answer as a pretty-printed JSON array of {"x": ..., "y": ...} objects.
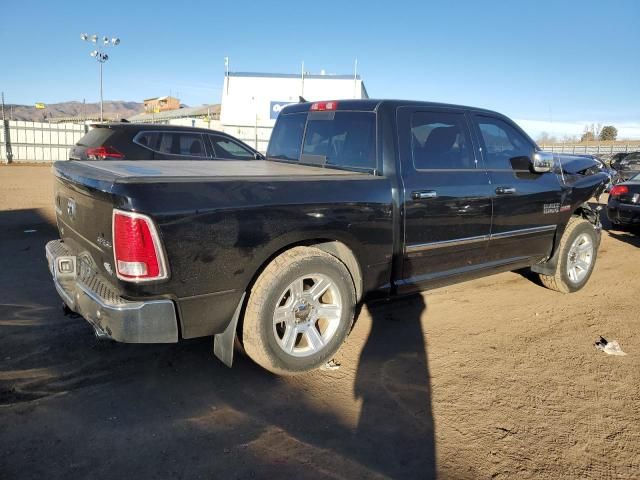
[{"x": 371, "y": 105}]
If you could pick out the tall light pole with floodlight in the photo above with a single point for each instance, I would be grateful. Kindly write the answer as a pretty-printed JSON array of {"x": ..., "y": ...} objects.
[{"x": 100, "y": 56}]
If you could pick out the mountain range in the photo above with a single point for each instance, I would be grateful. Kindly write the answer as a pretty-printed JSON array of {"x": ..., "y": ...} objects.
[{"x": 113, "y": 110}]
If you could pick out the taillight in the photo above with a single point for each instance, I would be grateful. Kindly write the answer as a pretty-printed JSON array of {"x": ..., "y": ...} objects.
[
  {"x": 101, "y": 153},
  {"x": 136, "y": 248},
  {"x": 618, "y": 190},
  {"x": 324, "y": 106}
]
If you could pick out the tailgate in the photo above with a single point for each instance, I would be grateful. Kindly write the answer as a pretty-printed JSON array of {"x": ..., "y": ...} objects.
[{"x": 84, "y": 207}]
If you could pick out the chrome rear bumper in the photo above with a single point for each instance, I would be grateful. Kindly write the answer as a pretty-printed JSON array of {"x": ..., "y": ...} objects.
[{"x": 86, "y": 293}]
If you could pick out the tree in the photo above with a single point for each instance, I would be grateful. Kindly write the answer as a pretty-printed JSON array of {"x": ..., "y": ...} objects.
[
  {"x": 588, "y": 136},
  {"x": 545, "y": 139},
  {"x": 608, "y": 132}
]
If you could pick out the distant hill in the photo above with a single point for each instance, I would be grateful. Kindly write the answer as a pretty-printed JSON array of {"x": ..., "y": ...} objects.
[{"x": 113, "y": 110}]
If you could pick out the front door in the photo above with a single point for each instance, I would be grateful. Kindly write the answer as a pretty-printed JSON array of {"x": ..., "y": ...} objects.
[
  {"x": 447, "y": 196},
  {"x": 526, "y": 205}
]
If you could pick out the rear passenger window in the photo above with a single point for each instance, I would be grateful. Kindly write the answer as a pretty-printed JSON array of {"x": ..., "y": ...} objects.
[
  {"x": 148, "y": 139},
  {"x": 440, "y": 141},
  {"x": 504, "y": 146},
  {"x": 173, "y": 143},
  {"x": 346, "y": 139}
]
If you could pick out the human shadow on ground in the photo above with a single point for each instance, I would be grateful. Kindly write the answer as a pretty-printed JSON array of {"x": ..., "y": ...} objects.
[{"x": 394, "y": 384}]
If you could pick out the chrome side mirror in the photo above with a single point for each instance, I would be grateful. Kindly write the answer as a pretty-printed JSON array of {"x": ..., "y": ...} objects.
[{"x": 542, "y": 162}]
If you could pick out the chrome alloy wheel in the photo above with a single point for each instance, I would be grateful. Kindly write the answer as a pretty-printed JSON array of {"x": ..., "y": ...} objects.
[
  {"x": 307, "y": 315},
  {"x": 580, "y": 258}
]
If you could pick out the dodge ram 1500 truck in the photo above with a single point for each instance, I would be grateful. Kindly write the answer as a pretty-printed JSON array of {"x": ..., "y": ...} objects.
[{"x": 357, "y": 199}]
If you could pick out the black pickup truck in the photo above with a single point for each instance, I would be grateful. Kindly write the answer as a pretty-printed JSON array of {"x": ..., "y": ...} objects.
[{"x": 357, "y": 200}]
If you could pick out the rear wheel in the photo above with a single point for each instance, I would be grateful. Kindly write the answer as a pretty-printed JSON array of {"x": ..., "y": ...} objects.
[
  {"x": 578, "y": 250},
  {"x": 299, "y": 312}
]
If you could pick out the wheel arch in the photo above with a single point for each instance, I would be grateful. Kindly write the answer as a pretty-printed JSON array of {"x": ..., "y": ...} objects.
[{"x": 583, "y": 210}]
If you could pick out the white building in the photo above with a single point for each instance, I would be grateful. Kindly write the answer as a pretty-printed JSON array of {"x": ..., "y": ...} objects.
[{"x": 251, "y": 101}]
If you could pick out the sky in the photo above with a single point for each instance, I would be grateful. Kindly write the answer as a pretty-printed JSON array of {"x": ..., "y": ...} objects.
[{"x": 552, "y": 66}]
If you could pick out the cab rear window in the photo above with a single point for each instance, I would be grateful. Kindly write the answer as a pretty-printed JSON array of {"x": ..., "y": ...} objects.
[{"x": 334, "y": 139}]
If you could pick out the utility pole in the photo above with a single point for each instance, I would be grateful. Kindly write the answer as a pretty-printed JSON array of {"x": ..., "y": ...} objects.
[
  {"x": 7, "y": 134},
  {"x": 101, "y": 57}
]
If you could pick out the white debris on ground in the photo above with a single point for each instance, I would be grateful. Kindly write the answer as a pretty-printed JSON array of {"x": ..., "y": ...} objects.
[{"x": 610, "y": 347}]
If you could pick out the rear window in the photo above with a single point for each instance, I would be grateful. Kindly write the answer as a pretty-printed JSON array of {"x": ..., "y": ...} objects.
[
  {"x": 348, "y": 140},
  {"x": 338, "y": 139},
  {"x": 96, "y": 137}
]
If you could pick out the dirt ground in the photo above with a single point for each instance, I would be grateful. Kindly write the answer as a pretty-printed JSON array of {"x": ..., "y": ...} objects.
[{"x": 494, "y": 378}]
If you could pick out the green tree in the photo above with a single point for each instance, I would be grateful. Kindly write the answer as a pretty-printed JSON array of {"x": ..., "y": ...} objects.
[{"x": 608, "y": 132}]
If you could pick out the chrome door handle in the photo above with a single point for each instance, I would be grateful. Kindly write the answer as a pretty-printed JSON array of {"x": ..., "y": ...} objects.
[
  {"x": 423, "y": 194},
  {"x": 505, "y": 190}
]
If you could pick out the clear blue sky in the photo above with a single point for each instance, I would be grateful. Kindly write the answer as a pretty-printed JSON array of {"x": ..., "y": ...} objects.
[{"x": 560, "y": 61}]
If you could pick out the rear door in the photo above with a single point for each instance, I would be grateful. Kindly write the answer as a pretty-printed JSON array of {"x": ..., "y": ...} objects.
[
  {"x": 526, "y": 205},
  {"x": 447, "y": 196}
]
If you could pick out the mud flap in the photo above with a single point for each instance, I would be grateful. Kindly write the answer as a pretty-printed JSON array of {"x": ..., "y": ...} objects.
[{"x": 223, "y": 342}]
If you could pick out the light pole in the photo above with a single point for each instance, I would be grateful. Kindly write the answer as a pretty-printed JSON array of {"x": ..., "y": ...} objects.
[{"x": 100, "y": 56}]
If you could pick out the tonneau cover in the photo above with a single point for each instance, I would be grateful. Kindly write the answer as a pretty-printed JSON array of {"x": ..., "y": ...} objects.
[{"x": 149, "y": 169}]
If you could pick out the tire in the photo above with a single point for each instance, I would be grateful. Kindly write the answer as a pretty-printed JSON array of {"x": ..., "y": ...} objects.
[
  {"x": 570, "y": 276},
  {"x": 286, "y": 330}
]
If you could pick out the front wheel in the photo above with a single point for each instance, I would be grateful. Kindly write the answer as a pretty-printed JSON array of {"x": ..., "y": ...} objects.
[
  {"x": 578, "y": 250},
  {"x": 299, "y": 312}
]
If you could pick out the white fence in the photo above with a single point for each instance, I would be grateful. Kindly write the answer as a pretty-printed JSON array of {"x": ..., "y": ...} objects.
[
  {"x": 594, "y": 149},
  {"x": 37, "y": 142}
]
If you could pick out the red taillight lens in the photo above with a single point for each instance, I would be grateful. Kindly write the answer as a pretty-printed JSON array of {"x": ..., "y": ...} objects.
[
  {"x": 136, "y": 248},
  {"x": 618, "y": 190},
  {"x": 324, "y": 106},
  {"x": 101, "y": 153}
]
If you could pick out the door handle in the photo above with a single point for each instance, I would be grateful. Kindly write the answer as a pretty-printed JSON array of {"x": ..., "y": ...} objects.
[
  {"x": 423, "y": 194},
  {"x": 505, "y": 190}
]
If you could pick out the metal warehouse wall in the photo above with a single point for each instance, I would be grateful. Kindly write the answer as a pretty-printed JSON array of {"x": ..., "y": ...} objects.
[{"x": 251, "y": 102}]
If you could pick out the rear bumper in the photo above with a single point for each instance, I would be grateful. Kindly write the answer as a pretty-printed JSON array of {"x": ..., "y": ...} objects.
[
  {"x": 86, "y": 293},
  {"x": 623, "y": 213}
]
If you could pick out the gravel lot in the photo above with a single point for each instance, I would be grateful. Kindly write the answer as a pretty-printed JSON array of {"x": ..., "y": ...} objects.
[{"x": 494, "y": 378}]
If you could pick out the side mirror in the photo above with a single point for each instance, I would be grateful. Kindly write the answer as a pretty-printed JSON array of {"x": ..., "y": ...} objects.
[
  {"x": 542, "y": 162},
  {"x": 258, "y": 156}
]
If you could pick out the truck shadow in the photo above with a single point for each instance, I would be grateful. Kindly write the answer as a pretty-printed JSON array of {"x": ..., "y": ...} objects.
[{"x": 371, "y": 418}]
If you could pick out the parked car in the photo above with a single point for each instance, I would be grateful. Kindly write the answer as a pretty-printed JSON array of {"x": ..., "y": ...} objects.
[
  {"x": 629, "y": 166},
  {"x": 357, "y": 200},
  {"x": 615, "y": 159},
  {"x": 143, "y": 141},
  {"x": 623, "y": 208}
]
